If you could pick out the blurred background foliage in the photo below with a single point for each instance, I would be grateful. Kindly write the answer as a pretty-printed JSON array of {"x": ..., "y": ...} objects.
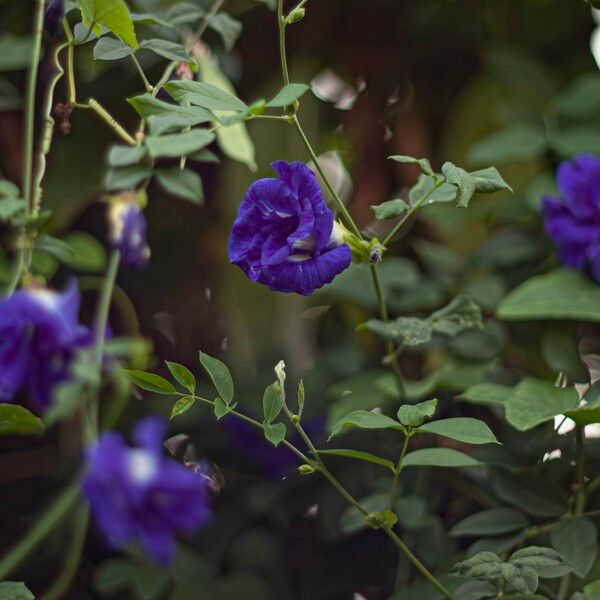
[{"x": 505, "y": 82}]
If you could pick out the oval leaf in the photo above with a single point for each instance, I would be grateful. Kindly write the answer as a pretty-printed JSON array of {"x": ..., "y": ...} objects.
[
  {"x": 151, "y": 382},
  {"x": 220, "y": 375},
  {"x": 439, "y": 457},
  {"x": 462, "y": 429}
]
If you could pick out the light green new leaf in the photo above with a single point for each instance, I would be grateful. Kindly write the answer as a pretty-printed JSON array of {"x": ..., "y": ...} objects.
[
  {"x": 274, "y": 433},
  {"x": 359, "y": 455},
  {"x": 522, "y": 578},
  {"x": 150, "y": 382},
  {"x": 15, "y": 590},
  {"x": 288, "y": 94},
  {"x": 220, "y": 375},
  {"x": 389, "y": 209},
  {"x": 182, "y": 375},
  {"x": 423, "y": 163},
  {"x": 462, "y": 429},
  {"x": 543, "y": 297},
  {"x": 272, "y": 402},
  {"x": 364, "y": 420},
  {"x": 17, "y": 420},
  {"x": 575, "y": 539},
  {"x": 221, "y": 409},
  {"x": 179, "y": 144},
  {"x": 534, "y": 401},
  {"x": 182, "y": 183},
  {"x": 484, "y": 565},
  {"x": 182, "y": 405},
  {"x": 439, "y": 457},
  {"x": 114, "y": 15},
  {"x": 494, "y": 521},
  {"x": 413, "y": 415}
]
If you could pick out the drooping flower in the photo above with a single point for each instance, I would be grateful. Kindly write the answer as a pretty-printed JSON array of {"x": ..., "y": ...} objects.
[
  {"x": 573, "y": 222},
  {"x": 136, "y": 495},
  {"x": 55, "y": 11},
  {"x": 39, "y": 336},
  {"x": 127, "y": 232},
  {"x": 284, "y": 235}
]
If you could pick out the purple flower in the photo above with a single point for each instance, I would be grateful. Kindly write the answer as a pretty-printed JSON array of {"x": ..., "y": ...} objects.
[
  {"x": 282, "y": 235},
  {"x": 573, "y": 224},
  {"x": 127, "y": 234},
  {"x": 55, "y": 11},
  {"x": 137, "y": 495},
  {"x": 39, "y": 335}
]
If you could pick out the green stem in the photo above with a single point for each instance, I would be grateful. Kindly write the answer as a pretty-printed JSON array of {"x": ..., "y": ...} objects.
[
  {"x": 398, "y": 470},
  {"x": 111, "y": 121},
  {"x": 62, "y": 583},
  {"x": 389, "y": 345},
  {"x": 390, "y": 236},
  {"x": 338, "y": 201},
  {"x": 147, "y": 84},
  {"x": 30, "y": 103},
  {"x": 282, "y": 52},
  {"x": 70, "y": 63},
  {"x": 47, "y": 522}
]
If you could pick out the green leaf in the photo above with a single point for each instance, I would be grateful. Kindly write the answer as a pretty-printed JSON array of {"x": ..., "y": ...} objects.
[
  {"x": 114, "y": 15},
  {"x": 184, "y": 12},
  {"x": 581, "y": 99},
  {"x": 166, "y": 49},
  {"x": 522, "y": 578},
  {"x": 275, "y": 433},
  {"x": 233, "y": 140},
  {"x": 112, "y": 576},
  {"x": 205, "y": 95},
  {"x": 534, "y": 401},
  {"x": 589, "y": 412},
  {"x": 221, "y": 409},
  {"x": 435, "y": 192},
  {"x": 126, "y": 177},
  {"x": 364, "y": 420},
  {"x": 17, "y": 420},
  {"x": 150, "y": 382},
  {"x": 561, "y": 354},
  {"x": 592, "y": 590},
  {"x": 272, "y": 402},
  {"x": 359, "y": 455},
  {"x": 182, "y": 405},
  {"x": 575, "y": 539},
  {"x": 494, "y": 521},
  {"x": 109, "y": 48},
  {"x": 460, "y": 314},
  {"x": 15, "y": 590},
  {"x": 516, "y": 142},
  {"x": 180, "y": 144},
  {"x": 488, "y": 181},
  {"x": 149, "y": 580},
  {"x": 182, "y": 375},
  {"x": 409, "y": 331},
  {"x": 11, "y": 207},
  {"x": 54, "y": 247},
  {"x": 413, "y": 415},
  {"x": 87, "y": 11},
  {"x": 288, "y": 94},
  {"x": 484, "y": 565},
  {"x": 535, "y": 556},
  {"x": 124, "y": 156},
  {"x": 423, "y": 163},
  {"x": 439, "y": 457},
  {"x": 462, "y": 429},
  {"x": 150, "y": 19},
  {"x": 486, "y": 394},
  {"x": 183, "y": 183},
  {"x": 15, "y": 51},
  {"x": 543, "y": 297},
  {"x": 390, "y": 209},
  {"x": 89, "y": 255},
  {"x": 220, "y": 376},
  {"x": 227, "y": 27}
]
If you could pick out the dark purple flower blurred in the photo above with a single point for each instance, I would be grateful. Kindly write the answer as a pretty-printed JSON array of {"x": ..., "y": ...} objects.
[
  {"x": 55, "y": 11},
  {"x": 127, "y": 226},
  {"x": 573, "y": 223},
  {"x": 282, "y": 235},
  {"x": 39, "y": 336},
  {"x": 137, "y": 495}
]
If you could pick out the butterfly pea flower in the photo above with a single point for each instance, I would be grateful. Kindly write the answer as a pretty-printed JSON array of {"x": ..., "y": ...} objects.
[
  {"x": 284, "y": 235},
  {"x": 136, "y": 495},
  {"x": 39, "y": 337},
  {"x": 127, "y": 231},
  {"x": 573, "y": 221}
]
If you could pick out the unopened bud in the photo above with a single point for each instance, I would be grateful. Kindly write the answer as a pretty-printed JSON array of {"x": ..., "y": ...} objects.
[
  {"x": 306, "y": 469},
  {"x": 296, "y": 15}
]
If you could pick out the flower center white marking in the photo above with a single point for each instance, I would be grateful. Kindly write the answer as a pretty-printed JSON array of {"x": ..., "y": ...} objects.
[
  {"x": 48, "y": 298},
  {"x": 337, "y": 235},
  {"x": 142, "y": 466},
  {"x": 299, "y": 257},
  {"x": 306, "y": 243}
]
